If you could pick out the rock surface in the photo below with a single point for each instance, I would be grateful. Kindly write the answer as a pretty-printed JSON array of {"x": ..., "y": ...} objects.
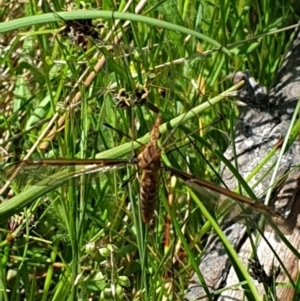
[{"x": 262, "y": 125}]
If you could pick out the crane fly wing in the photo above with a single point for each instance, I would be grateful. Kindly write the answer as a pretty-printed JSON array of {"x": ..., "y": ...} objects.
[
  {"x": 231, "y": 205},
  {"x": 48, "y": 171}
]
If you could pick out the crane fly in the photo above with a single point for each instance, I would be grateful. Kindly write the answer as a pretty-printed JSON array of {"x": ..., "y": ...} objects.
[{"x": 148, "y": 160}]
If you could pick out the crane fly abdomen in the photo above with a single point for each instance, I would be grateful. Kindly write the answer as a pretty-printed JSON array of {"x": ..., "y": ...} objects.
[
  {"x": 148, "y": 194},
  {"x": 149, "y": 161}
]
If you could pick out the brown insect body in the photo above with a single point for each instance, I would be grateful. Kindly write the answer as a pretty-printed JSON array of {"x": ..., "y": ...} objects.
[{"x": 149, "y": 160}]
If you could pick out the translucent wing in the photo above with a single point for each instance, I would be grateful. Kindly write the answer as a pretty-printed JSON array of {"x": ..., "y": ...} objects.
[
  {"x": 231, "y": 204},
  {"x": 53, "y": 172},
  {"x": 42, "y": 177}
]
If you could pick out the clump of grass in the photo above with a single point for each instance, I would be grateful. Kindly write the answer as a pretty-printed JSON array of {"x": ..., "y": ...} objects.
[{"x": 85, "y": 240}]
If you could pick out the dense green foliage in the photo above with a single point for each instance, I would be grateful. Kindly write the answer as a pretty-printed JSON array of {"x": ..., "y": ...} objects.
[{"x": 82, "y": 238}]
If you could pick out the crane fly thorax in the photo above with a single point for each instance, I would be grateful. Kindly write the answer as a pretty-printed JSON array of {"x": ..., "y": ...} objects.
[{"x": 149, "y": 159}]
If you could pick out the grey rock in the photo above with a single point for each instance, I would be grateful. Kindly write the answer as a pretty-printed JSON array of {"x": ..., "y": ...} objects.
[{"x": 262, "y": 125}]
